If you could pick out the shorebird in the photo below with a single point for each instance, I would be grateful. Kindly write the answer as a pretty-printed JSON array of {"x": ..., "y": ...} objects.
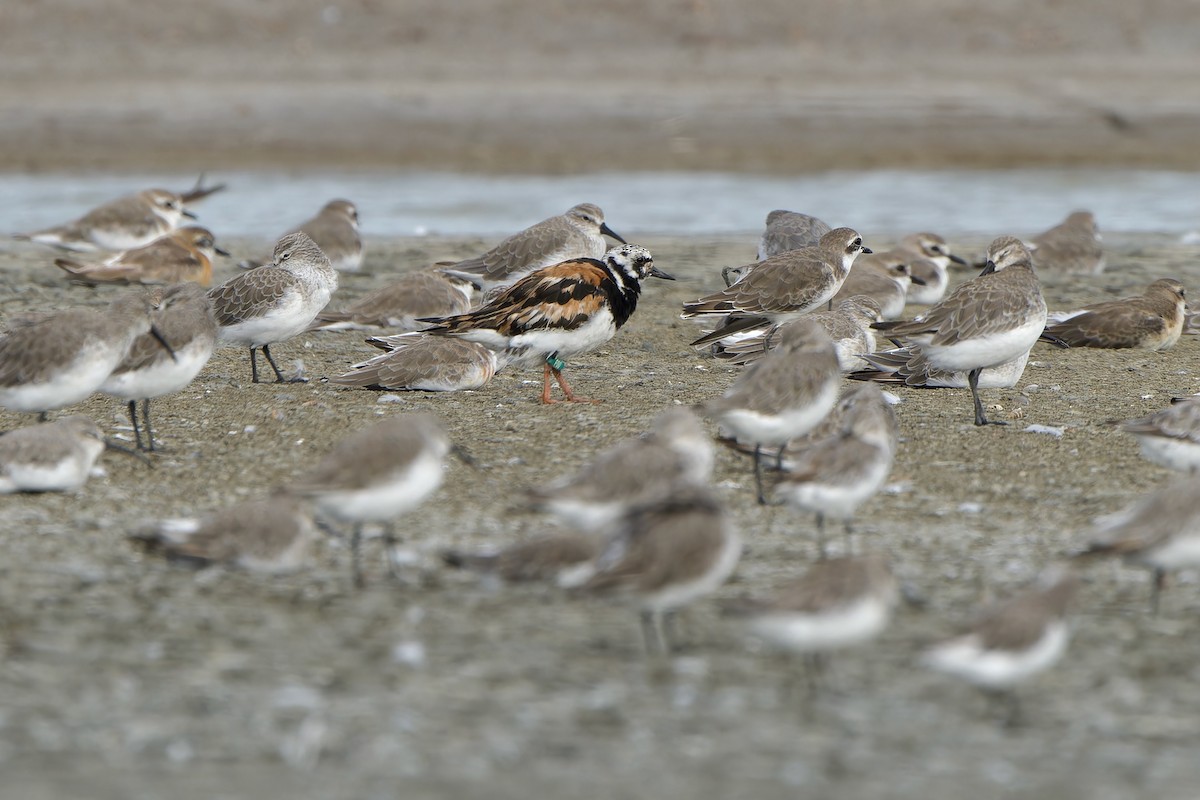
[
  {"x": 929, "y": 259},
  {"x": 789, "y": 230},
  {"x": 675, "y": 451},
  {"x": 784, "y": 395},
  {"x": 664, "y": 555},
  {"x": 425, "y": 363},
  {"x": 782, "y": 287},
  {"x": 59, "y": 359},
  {"x": 184, "y": 319},
  {"x": 909, "y": 366},
  {"x": 988, "y": 321},
  {"x": 183, "y": 255},
  {"x": 122, "y": 224},
  {"x": 848, "y": 326},
  {"x": 884, "y": 277},
  {"x": 1171, "y": 437},
  {"x": 553, "y": 558},
  {"x": 558, "y": 312},
  {"x": 1152, "y": 321},
  {"x": 1071, "y": 246},
  {"x": 272, "y": 535},
  {"x": 274, "y": 303},
  {"x": 1011, "y": 642},
  {"x": 376, "y": 474},
  {"x": 402, "y": 303},
  {"x": 50, "y": 457},
  {"x": 576, "y": 234},
  {"x": 334, "y": 229}
]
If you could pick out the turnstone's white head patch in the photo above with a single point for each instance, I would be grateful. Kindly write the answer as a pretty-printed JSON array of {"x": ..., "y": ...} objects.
[{"x": 634, "y": 261}]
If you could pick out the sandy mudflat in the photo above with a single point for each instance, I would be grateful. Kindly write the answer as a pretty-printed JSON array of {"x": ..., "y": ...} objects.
[{"x": 125, "y": 677}]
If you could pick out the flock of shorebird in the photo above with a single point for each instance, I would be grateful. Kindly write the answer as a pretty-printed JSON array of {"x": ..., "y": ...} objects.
[{"x": 812, "y": 310}]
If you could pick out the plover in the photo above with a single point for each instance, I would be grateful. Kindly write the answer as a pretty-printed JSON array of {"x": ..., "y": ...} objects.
[
  {"x": 50, "y": 457},
  {"x": 848, "y": 326},
  {"x": 836, "y": 475},
  {"x": 184, "y": 319},
  {"x": 790, "y": 230},
  {"x": 910, "y": 367},
  {"x": 1171, "y": 437},
  {"x": 675, "y": 451},
  {"x": 990, "y": 320},
  {"x": 1013, "y": 641},
  {"x": 576, "y": 234},
  {"x": 272, "y": 535},
  {"x": 884, "y": 277},
  {"x": 1151, "y": 321},
  {"x": 274, "y": 303},
  {"x": 376, "y": 474},
  {"x": 334, "y": 229},
  {"x": 423, "y": 362},
  {"x": 183, "y": 255},
  {"x": 1073, "y": 245},
  {"x": 1160, "y": 531},
  {"x": 664, "y": 556},
  {"x": 59, "y": 359},
  {"x": 784, "y": 395},
  {"x": 558, "y": 312},
  {"x": 122, "y": 224},
  {"x": 781, "y": 288},
  {"x": 400, "y": 304},
  {"x": 929, "y": 258},
  {"x": 552, "y": 558}
]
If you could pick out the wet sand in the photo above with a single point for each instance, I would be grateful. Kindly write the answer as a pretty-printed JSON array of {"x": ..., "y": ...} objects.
[{"x": 123, "y": 676}]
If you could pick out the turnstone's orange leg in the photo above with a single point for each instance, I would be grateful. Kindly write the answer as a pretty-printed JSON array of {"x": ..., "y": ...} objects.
[
  {"x": 546, "y": 398},
  {"x": 571, "y": 396}
]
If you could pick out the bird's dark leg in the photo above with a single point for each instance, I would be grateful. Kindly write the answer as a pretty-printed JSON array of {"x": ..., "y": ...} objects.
[
  {"x": 146, "y": 424},
  {"x": 980, "y": 417},
  {"x": 1160, "y": 582},
  {"x": 137, "y": 434},
  {"x": 848, "y": 529},
  {"x": 758, "y": 478},
  {"x": 266, "y": 348},
  {"x": 43, "y": 416},
  {"x": 356, "y": 555},
  {"x": 253, "y": 365},
  {"x": 651, "y": 633},
  {"x": 389, "y": 550},
  {"x": 820, "y": 535}
]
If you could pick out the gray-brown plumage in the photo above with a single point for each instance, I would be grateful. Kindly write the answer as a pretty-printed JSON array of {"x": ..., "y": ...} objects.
[
  {"x": 335, "y": 231},
  {"x": 1151, "y": 321},
  {"x": 121, "y": 224},
  {"x": 400, "y": 304},
  {"x": 423, "y": 362},
  {"x": 929, "y": 259},
  {"x": 848, "y": 326},
  {"x": 1071, "y": 246},
  {"x": 183, "y": 255},
  {"x": 51, "y": 457},
  {"x": 544, "y": 558},
  {"x": 884, "y": 277},
  {"x": 577, "y": 233},
  {"x": 790, "y": 230},
  {"x": 782, "y": 287},
  {"x": 270, "y": 535},
  {"x": 1170, "y": 437}
]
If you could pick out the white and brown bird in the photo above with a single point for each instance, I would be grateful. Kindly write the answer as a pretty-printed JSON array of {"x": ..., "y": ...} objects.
[
  {"x": 425, "y": 363},
  {"x": 1171, "y": 437},
  {"x": 552, "y": 558},
  {"x": 378, "y": 473},
  {"x": 848, "y": 325},
  {"x": 1153, "y": 320},
  {"x": 988, "y": 321},
  {"x": 676, "y": 451},
  {"x": 183, "y": 317},
  {"x": 884, "y": 277},
  {"x": 576, "y": 234},
  {"x": 402, "y": 303},
  {"x": 272, "y": 535},
  {"x": 1073, "y": 246},
  {"x": 334, "y": 229},
  {"x": 781, "y": 288},
  {"x": 783, "y": 395},
  {"x": 908, "y": 366},
  {"x": 789, "y": 230},
  {"x": 274, "y": 303},
  {"x": 558, "y": 312},
  {"x": 121, "y": 224},
  {"x": 185, "y": 254},
  {"x": 50, "y": 457},
  {"x": 663, "y": 556},
  {"x": 1013, "y": 641},
  {"x": 929, "y": 258}
]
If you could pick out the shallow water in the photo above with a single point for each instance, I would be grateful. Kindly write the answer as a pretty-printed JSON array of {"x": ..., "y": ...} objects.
[{"x": 952, "y": 202}]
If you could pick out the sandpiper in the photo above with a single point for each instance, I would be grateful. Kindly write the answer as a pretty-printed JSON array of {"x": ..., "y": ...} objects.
[
  {"x": 400, "y": 304},
  {"x": 50, "y": 457},
  {"x": 552, "y": 558},
  {"x": 848, "y": 325},
  {"x": 790, "y": 230},
  {"x": 1073, "y": 245},
  {"x": 1171, "y": 437},
  {"x": 334, "y": 229},
  {"x": 884, "y": 277},
  {"x": 424, "y": 363},
  {"x": 929, "y": 258}
]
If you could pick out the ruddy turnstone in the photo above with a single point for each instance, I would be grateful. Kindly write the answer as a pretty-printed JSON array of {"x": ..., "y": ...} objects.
[
  {"x": 1071, "y": 246},
  {"x": 789, "y": 230},
  {"x": 122, "y": 224},
  {"x": 377, "y": 474},
  {"x": 335, "y": 230},
  {"x": 929, "y": 259},
  {"x": 784, "y": 395},
  {"x": 183, "y": 318},
  {"x": 400, "y": 304},
  {"x": 558, "y": 312},
  {"x": 1152, "y": 321},
  {"x": 273, "y": 535},
  {"x": 49, "y": 457},
  {"x": 1013, "y": 641},
  {"x": 990, "y": 320},
  {"x": 781, "y": 288},
  {"x": 1171, "y": 437},
  {"x": 552, "y": 558},
  {"x": 423, "y": 362},
  {"x": 183, "y": 255},
  {"x": 274, "y": 303},
  {"x": 848, "y": 326},
  {"x": 577, "y": 234},
  {"x": 59, "y": 359},
  {"x": 675, "y": 451},
  {"x": 665, "y": 555}
]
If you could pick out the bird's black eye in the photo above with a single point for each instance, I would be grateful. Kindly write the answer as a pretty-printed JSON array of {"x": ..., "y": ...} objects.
[{"x": 285, "y": 255}]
